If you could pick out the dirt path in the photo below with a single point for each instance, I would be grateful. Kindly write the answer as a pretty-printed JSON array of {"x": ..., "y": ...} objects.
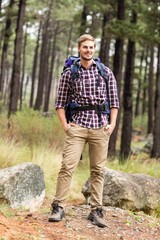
[{"x": 122, "y": 225}]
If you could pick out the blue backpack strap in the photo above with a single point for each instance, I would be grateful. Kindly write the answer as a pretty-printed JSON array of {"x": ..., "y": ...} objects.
[
  {"x": 103, "y": 73},
  {"x": 74, "y": 69},
  {"x": 69, "y": 61},
  {"x": 101, "y": 68},
  {"x": 72, "y": 64}
]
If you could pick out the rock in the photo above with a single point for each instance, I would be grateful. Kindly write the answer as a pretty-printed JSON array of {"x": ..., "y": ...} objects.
[
  {"x": 149, "y": 144},
  {"x": 137, "y": 192},
  {"x": 86, "y": 190},
  {"x": 22, "y": 186},
  {"x": 146, "y": 144}
]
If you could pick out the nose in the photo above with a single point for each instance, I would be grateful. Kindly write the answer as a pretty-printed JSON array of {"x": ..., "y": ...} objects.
[{"x": 88, "y": 48}]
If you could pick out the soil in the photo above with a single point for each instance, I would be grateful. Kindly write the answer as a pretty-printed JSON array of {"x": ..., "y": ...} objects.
[{"x": 121, "y": 225}]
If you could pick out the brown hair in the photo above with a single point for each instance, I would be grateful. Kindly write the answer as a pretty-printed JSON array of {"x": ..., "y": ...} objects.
[{"x": 84, "y": 38}]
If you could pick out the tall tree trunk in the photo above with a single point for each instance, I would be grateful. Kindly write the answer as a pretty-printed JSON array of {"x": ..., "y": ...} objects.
[
  {"x": 69, "y": 40},
  {"x": 105, "y": 41},
  {"x": 7, "y": 86},
  {"x": 117, "y": 70},
  {"x": 23, "y": 68},
  {"x": 1, "y": 37},
  {"x": 7, "y": 35},
  {"x": 137, "y": 107},
  {"x": 35, "y": 65},
  {"x": 15, "y": 79},
  {"x": 43, "y": 64},
  {"x": 85, "y": 12},
  {"x": 156, "y": 139},
  {"x": 127, "y": 98},
  {"x": 49, "y": 83},
  {"x": 145, "y": 82},
  {"x": 94, "y": 26},
  {"x": 150, "y": 91},
  {"x": 25, "y": 87},
  {"x": 0, "y": 5}
]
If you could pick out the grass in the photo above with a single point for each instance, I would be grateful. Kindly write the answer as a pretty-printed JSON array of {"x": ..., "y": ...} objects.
[
  {"x": 140, "y": 123},
  {"x": 138, "y": 165},
  {"x": 156, "y": 212},
  {"x": 4, "y": 209}
]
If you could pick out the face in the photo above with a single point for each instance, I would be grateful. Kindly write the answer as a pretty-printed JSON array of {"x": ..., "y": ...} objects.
[{"x": 87, "y": 50}]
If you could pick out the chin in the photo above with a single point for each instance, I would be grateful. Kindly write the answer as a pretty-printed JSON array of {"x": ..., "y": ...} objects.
[{"x": 87, "y": 59}]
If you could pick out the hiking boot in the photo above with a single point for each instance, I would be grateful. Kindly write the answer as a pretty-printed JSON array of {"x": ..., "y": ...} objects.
[
  {"x": 57, "y": 213},
  {"x": 96, "y": 216}
]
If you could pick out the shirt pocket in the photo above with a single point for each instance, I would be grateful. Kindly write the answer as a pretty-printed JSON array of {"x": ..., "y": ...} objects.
[
  {"x": 78, "y": 85},
  {"x": 101, "y": 86}
]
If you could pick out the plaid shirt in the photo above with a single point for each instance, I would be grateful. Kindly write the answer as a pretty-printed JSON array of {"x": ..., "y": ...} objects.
[{"x": 89, "y": 89}]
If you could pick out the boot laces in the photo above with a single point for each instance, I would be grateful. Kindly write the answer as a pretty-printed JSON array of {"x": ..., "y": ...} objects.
[
  {"x": 100, "y": 212},
  {"x": 55, "y": 208}
]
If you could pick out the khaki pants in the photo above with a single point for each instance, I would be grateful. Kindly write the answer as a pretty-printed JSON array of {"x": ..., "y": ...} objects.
[{"x": 76, "y": 138}]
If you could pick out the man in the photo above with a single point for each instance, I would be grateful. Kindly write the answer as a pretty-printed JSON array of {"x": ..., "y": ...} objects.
[{"x": 88, "y": 126}]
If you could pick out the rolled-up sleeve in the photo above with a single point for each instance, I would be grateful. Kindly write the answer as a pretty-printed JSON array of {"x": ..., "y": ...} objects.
[
  {"x": 112, "y": 93},
  {"x": 63, "y": 91}
]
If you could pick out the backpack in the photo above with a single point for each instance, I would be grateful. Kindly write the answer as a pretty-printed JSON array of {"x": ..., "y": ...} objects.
[{"x": 72, "y": 63}]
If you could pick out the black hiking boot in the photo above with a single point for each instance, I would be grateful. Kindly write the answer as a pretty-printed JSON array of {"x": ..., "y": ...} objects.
[
  {"x": 57, "y": 213},
  {"x": 97, "y": 217}
]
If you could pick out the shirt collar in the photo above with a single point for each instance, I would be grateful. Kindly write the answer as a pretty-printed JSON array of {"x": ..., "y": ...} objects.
[{"x": 93, "y": 64}]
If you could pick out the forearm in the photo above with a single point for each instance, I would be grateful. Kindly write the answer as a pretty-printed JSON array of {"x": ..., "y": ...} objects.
[
  {"x": 62, "y": 118},
  {"x": 113, "y": 116}
]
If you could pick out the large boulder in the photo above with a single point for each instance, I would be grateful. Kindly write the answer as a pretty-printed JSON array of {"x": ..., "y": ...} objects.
[
  {"x": 22, "y": 186},
  {"x": 137, "y": 192}
]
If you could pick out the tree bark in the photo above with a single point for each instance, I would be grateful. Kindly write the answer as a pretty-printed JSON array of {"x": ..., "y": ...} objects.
[
  {"x": 156, "y": 136},
  {"x": 84, "y": 19},
  {"x": 150, "y": 91},
  {"x": 7, "y": 35},
  {"x": 35, "y": 65},
  {"x": 43, "y": 65},
  {"x": 69, "y": 40},
  {"x": 145, "y": 82},
  {"x": 49, "y": 83},
  {"x": 117, "y": 70},
  {"x": 23, "y": 69},
  {"x": 105, "y": 41},
  {"x": 15, "y": 79},
  {"x": 137, "y": 107},
  {"x": 127, "y": 99},
  {"x": 0, "y": 5}
]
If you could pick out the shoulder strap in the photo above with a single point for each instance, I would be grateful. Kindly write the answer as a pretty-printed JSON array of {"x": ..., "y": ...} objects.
[
  {"x": 74, "y": 69},
  {"x": 70, "y": 60},
  {"x": 101, "y": 68}
]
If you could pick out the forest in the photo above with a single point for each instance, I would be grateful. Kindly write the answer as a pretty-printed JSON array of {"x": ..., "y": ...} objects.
[{"x": 37, "y": 36}]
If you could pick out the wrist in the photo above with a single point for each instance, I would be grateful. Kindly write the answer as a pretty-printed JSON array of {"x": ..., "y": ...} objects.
[
  {"x": 65, "y": 126},
  {"x": 112, "y": 125}
]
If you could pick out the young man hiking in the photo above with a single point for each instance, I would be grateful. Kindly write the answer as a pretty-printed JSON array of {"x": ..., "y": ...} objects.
[{"x": 89, "y": 124}]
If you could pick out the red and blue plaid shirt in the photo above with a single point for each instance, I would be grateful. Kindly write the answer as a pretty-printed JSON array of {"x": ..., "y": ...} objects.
[{"x": 89, "y": 89}]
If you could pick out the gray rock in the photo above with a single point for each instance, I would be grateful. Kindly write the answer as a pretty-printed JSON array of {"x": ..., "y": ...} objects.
[
  {"x": 22, "y": 186},
  {"x": 137, "y": 192},
  {"x": 149, "y": 144}
]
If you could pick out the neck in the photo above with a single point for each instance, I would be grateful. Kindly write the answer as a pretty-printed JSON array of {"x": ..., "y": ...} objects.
[{"x": 86, "y": 63}]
